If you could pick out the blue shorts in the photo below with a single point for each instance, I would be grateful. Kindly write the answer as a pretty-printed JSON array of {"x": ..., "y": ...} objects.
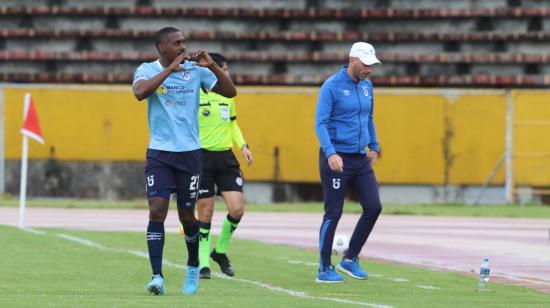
[{"x": 173, "y": 172}]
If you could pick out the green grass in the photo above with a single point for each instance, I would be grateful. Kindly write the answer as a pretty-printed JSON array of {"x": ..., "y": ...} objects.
[
  {"x": 519, "y": 211},
  {"x": 46, "y": 270}
]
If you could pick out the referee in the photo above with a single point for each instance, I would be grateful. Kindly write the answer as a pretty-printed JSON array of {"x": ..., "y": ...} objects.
[{"x": 221, "y": 173}]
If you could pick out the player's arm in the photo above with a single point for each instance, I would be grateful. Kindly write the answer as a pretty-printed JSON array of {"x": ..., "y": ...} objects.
[
  {"x": 224, "y": 86},
  {"x": 145, "y": 87}
]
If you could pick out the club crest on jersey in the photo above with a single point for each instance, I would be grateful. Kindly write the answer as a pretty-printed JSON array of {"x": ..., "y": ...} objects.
[
  {"x": 366, "y": 91},
  {"x": 205, "y": 112},
  {"x": 186, "y": 75},
  {"x": 336, "y": 183}
]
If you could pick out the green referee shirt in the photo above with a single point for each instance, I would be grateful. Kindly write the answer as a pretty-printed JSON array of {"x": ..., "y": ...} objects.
[{"x": 217, "y": 123}]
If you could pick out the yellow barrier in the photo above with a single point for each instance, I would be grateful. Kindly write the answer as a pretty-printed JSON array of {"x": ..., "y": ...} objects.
[
  {"x": 531, "y": 137},
  {"x": 426, "y": 136}
]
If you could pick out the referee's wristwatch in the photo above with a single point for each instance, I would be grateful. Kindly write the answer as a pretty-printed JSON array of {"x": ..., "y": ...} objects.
[{"x": 245, "y": 146}]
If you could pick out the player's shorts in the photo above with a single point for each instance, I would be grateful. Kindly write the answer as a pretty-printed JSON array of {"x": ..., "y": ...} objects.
[
  {"x": 220, "y": 172},
  {"x": 173, "y": 172}
]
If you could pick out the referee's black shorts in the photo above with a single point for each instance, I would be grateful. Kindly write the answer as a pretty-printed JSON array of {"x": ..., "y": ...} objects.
[{"x": 220, "y": 172}]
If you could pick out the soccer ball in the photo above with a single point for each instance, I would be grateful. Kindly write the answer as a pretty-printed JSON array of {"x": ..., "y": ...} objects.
[{"x": 340, "y": 245}]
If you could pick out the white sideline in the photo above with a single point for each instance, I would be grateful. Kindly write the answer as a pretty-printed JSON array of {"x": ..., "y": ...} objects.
[
  {"x": 34, "y": 231},
  {"x": 293, "y": 293}
]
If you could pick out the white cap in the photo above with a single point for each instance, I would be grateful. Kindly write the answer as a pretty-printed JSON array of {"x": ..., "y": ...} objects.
[{"x": 365, "y": 52}]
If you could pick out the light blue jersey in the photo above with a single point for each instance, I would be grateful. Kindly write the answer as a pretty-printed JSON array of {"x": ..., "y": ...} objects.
[{"x": 173, "y": 107}]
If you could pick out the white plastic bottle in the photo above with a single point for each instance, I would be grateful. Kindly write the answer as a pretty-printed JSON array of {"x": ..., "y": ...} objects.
[{"x": 484, "y": 273}]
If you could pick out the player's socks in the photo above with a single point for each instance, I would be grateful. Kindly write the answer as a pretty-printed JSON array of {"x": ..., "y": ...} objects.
[
  {"x": 192, "y": 242},
  {"x": 155, "y": 245},
  {"x": 228, "y": 227},
  {"x": 204, "y": 244}
]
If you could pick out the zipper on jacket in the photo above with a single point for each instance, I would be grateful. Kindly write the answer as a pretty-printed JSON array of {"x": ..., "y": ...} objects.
[{"x": 359, "y": 117}]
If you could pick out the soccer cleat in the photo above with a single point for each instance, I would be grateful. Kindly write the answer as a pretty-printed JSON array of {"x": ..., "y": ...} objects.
[
  {"x": 223, "y": 262},
  {"x": 156, "y": 286},
  {"x": 352, "y": 268},
  {"x": 329, "y": 276},
  {"x": 191, "y": 283},
  {"x": 204, "y": 273}
]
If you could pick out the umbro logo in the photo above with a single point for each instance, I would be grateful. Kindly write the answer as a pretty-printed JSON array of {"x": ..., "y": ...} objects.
[{"x": 346, "y": 92}]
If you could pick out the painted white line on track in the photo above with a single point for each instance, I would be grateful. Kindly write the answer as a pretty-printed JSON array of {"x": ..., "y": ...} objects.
[{"x": 293, "y": 293}]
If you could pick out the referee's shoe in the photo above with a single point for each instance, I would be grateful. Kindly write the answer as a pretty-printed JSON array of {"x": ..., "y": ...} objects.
[{"x": 223, "y": 261}]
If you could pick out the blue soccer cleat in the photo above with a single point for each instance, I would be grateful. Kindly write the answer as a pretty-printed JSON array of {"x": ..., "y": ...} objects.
[
  {"x": 191, "y": 283},
  {"x": 352, "y": 268},
  {"x": 329, "y": 276},
  {"x": 156, "y": 286}
]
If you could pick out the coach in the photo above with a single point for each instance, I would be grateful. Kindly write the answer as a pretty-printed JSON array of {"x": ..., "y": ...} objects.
[{"x": 345, "y": 127}]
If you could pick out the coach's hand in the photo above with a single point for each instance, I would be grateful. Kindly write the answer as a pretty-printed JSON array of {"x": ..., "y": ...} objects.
[
  {"x": 247, "y": 155},
  {"x": 373, "y": 156},
  {"x": 336, "y": 163}
]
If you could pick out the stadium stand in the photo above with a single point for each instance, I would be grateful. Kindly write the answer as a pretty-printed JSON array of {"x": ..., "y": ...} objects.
[{"x": 491, "y": 43}]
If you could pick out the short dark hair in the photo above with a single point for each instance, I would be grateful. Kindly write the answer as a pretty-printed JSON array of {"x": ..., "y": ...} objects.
[
  {"x": 162, "y": 33},
  {"x": 218, "y": 58}
]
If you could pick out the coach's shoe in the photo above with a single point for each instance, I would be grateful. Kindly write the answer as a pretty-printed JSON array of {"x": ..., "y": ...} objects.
[
  {"x": 191, "y": 283},
  {"x": 329, "y": 275},
  {"x": 223, "y": 261},
  {"x": 204, "y": 273},
  {"x": 156, "y": 286},
  {"x": 352, "y": 268}
]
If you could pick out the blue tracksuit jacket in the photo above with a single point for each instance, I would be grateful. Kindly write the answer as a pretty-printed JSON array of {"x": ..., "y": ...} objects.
[{"x": 343, "y": 119}]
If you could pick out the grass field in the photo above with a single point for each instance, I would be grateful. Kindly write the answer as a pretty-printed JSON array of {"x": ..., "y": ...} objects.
[
  {"x": 107, "y": 269},
  {"x": 524, "y": 211}
]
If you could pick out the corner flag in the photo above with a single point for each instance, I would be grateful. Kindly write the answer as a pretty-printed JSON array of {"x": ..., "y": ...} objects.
[
  {"x": 31, "y": 125},
  {"x": 31, "y": 128}
]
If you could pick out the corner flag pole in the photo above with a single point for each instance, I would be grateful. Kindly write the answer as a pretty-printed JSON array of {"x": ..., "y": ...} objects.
[
  {"x": 23, "y": 185},
  {"x": 31, "y": 128}
]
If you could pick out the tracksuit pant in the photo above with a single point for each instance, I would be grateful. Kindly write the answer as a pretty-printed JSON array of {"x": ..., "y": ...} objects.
[{"x": 359, "y": 176}]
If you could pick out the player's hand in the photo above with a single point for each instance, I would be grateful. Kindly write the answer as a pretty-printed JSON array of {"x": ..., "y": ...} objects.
[
  {"x": 336, "y": 163},
  {"x": 202, "y": 58},
  {"x": 175, "y": 65},
  {"x": 373, "y": 156},
  {"x": 247, "y": 155}
]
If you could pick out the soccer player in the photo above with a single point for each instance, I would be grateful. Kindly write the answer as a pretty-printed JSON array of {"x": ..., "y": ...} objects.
[
  {"x": 345, "y": 127},
  {"x": 172, "y": 86},
  {"x": 221, "y": 173}
]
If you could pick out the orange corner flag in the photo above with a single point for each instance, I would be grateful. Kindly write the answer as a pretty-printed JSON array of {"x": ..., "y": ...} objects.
[{"x": 31, "y": 125}]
